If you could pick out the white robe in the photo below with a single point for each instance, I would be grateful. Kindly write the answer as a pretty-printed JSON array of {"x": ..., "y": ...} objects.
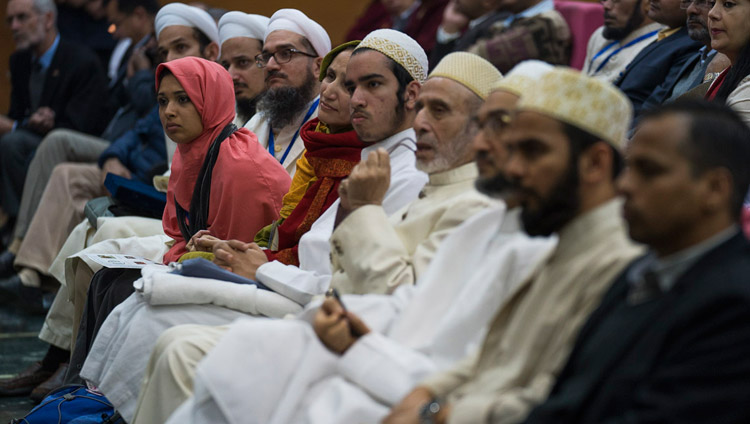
[
  {"x": 259, "y": 125},
  {"x": 119, "y": 355},
  {"x": 415, "y": 332}
]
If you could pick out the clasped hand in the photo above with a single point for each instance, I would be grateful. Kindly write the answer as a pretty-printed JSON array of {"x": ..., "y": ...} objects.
[
  {"x": 336, "y": 328},
  {"x": 367, "y": 183}
]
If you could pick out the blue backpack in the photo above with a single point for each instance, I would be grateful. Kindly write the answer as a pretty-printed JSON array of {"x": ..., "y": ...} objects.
[{"x": 73, "y": 404}]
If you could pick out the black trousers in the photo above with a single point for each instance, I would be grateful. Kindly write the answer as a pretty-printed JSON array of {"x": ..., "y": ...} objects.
[{"x": 109, "y": 287}]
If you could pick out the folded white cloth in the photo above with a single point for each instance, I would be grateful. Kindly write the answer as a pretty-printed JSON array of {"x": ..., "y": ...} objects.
[{"x": 159, "y": 287}]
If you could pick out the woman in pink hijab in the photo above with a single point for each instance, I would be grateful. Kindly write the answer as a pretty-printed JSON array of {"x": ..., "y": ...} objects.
[{"x": 222, "y": 180}]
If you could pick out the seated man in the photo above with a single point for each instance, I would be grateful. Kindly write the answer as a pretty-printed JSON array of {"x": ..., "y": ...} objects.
[
  {"x": 530, "y": 29},
  {"x": 659, "y": 63},
  {"x": 54, "y": 84},
  {"x": 564, "y": 145},
  {"x": 626, "y": 31},
  {"x": 417, "y": 330},
  {"x": 670, "y": 341}
]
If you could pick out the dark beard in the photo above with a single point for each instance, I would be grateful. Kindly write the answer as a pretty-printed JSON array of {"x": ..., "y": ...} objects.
[
  {"x": 634, "y": 21},
  {"x": 246, "y": 108},
  {"x": 555, "y": 211},
  {"x": 282, "y": 104},
  {"x": 496, "y": 186}
]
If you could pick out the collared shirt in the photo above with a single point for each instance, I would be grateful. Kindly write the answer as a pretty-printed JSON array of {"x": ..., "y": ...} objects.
[
  {"x": 46, "y": 58},
  {"x": 541, "y": 7},
  {"x": 606, "y": 59},
  {"x": 669, "y": 268},
  {"x": 443, "y": 37}
]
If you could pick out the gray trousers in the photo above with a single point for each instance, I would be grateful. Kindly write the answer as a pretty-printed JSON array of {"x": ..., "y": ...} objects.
[
  {"x": 15, "y": 149},
  {"x": 58, "y": 146}
]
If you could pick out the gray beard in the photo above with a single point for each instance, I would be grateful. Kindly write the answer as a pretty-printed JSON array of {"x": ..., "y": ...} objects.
[{"x": 281, "y": 105}]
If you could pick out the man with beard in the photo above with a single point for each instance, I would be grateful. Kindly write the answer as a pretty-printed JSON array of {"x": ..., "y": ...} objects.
[
  {"x": 670, "y": 341},
  {"x": 293, "y": 48},
  {"x": 626, "y": 31},
  {"x": 658, "y": 65},
  {"x": 448, "y": 308},
  {"x": 563, "y": 146},
  {"x": 241, "y": 37}
]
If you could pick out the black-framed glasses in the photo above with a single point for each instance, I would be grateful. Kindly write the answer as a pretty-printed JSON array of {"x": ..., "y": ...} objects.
[
  {"x": 280, "y": 56},
  {"x": 700, "y": 4}
]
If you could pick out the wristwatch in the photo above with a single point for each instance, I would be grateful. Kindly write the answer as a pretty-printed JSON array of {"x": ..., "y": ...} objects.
[{"x": 429, "y": 411}]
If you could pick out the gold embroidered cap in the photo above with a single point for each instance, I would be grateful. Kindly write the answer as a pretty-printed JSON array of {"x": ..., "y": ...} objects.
[
  {"x": 398, "y": 46},
  {"x": 590, "y": 104},
  {"x": 470, "y": 70},
  {"x": 523, "y": 77}
]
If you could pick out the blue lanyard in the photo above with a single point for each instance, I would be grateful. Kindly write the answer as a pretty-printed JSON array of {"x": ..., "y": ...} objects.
[
  {"x": 271, "y": 147},
  {"x": 602, "y": 51}
]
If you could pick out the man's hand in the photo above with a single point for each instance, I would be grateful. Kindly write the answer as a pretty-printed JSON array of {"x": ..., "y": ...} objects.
[
  {"x": 337, "y": 329},
  {"x": 42, "y": 121},
  {"x": 114, "y": 166},
  {"x": 368, "y": 182},
  {"x": 453, "y": 20},
  {"x": 407, "y": 411},
  {"x": 138, "y": 61},
  {"x": 239, "y": 257},
  {"x": 6, "y": 124}
]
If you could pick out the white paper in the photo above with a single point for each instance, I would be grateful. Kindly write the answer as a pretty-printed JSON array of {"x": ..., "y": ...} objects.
[{"x": 110, "y": 260}]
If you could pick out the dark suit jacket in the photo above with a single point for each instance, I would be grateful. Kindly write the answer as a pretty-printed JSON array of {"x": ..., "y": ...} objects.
[
  {"x": 657, "y": 65},
  {"x": 680, "y": 357},
  {"x": 466, "y": 40},
  {"x": 75, "y": 87}
]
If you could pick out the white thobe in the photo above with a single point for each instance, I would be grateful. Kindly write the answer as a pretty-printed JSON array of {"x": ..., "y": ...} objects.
[
  {"x": 416, "y": 331},
  {"x": 313, "y": 275},
  {"x": 119, "y": 355},
  {"x": 607, "y": 59},
  {"x": 259, "y": 125}
]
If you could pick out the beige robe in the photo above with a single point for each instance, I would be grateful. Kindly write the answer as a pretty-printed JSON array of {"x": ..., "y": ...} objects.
[
  {"x": 619, "y": 61},
  {"x": 372, "y": 253},
  {"x": 532, "y": 334}
]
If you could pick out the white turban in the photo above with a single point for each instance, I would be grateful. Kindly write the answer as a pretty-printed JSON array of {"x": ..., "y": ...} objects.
[
  {"x": 239, "y": 24},
  {"x": 398, "y": 46},
  {"x": 297, "y": 22},
  {"x": 189, "y": 16}
]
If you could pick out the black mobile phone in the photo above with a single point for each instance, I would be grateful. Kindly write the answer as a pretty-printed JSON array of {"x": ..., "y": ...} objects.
[{"x": 335, "y": 294}]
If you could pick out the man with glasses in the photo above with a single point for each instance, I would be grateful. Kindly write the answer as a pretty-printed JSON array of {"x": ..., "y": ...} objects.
[
  {"x": 657, "y": 66},
  {"x": 626, "y": 31},
  {"x": 293, "y": 49}
]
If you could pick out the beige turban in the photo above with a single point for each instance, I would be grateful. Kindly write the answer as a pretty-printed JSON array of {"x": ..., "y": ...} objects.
[
  {"x": 523, "y": 76},
  {"x": 189, "y": 16},
  {"x": 470, "y": 70},
  {"x": 297, "y": 22},
  {"x": 239, "y": 24},
  {"x": 587, "y": 103},
  {"x": 398, "y": 46}
]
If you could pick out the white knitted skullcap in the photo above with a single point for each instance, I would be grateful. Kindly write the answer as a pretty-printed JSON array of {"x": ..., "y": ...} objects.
[
  {"x": 398, "y": 46},
  {"x": 470, "y": 70},
  {"x": 239, "y": 24},
  {"x": 297, "y": 22},
  {"x": 189, "y": 16},
  {"x": 523, "y": 76}
]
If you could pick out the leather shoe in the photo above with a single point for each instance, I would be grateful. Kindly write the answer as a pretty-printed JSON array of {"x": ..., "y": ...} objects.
[
  {"x": 55, "y": 381},
  {"x": 6, "y": 264},
  {"x": 12, "y": 288},
  {"x": 23, "y": 383}
]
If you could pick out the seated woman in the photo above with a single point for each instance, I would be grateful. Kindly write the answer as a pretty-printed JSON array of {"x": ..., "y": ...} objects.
[
  {"x": 729, "y": 36},
  {"x": 222, "y": 180},
  {"x": 118, "y": 358}
]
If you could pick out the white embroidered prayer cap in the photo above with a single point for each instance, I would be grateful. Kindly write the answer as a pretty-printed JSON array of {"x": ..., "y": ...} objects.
[
  {"x": 523, "y": 76},
  {"x": 240, "y": 24},
  {"x": 297, "y": 22},
  {"x": 591, "y": 104},
  {"x": 469, "y": 70},
  {"x": 189, "y": 16},
  {"x": 398, "y": 46}
]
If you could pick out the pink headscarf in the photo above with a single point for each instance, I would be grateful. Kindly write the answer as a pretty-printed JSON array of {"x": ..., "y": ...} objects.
[{"x": 247, "y": 183}]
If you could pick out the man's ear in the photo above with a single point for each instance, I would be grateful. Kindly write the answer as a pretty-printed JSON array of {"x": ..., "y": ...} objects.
[
  {"x": 211, "y": 52},
  {"x": 410, "y": 95},
  {"x": 596, "y": 162},
  {"x": 719, "y": 189},
  {"x": 316, "y": 66},
  {"x": 49, "y": 21}
]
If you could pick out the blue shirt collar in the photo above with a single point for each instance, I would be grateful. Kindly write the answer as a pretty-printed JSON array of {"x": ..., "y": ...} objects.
[
  {"x": 47, "y": 56},
  {"x": 541, "y": 7}
]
